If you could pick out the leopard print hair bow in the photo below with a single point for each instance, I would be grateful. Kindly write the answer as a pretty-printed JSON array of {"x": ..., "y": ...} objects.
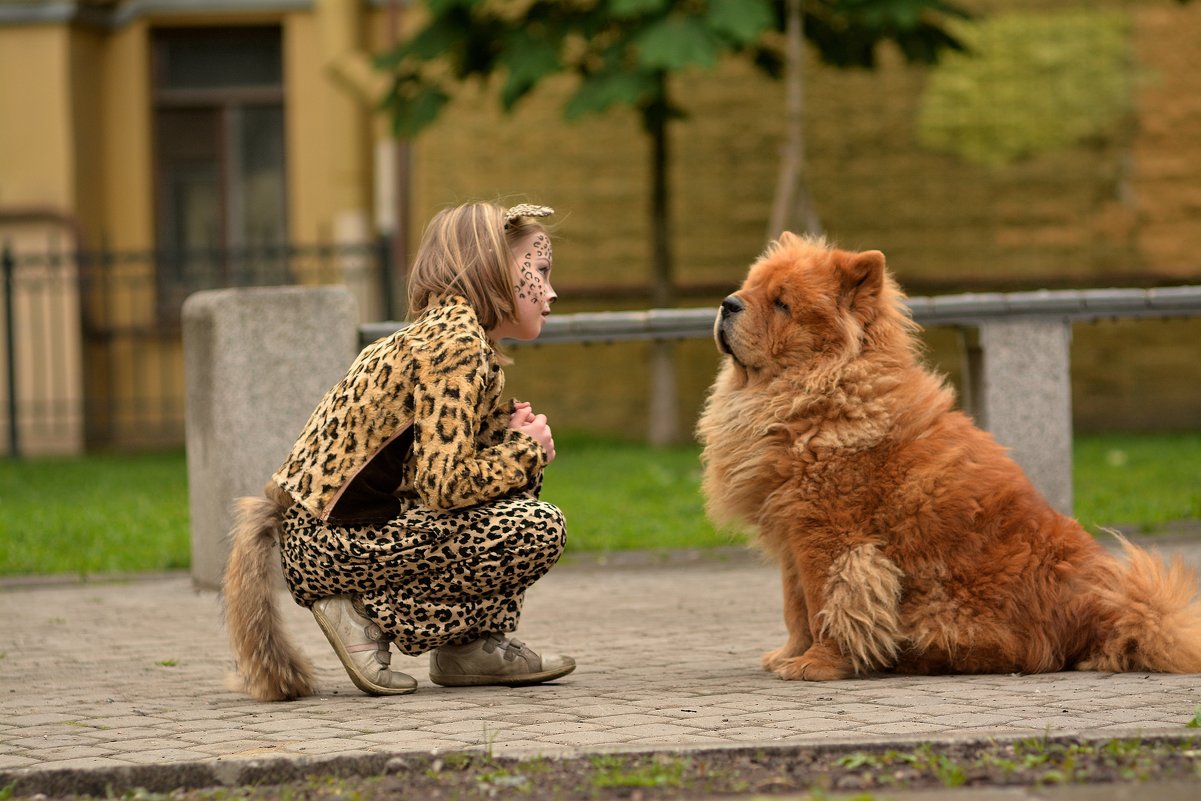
[{"x": 526, "y": 210}]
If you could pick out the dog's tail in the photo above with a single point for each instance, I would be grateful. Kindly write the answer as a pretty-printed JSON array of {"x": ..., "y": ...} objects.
[
  {"x": 1152, "y": 616},
  {"x": 270, "y": 668}
]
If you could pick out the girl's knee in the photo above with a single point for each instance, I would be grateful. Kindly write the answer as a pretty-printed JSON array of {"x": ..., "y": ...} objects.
[
  {"x": 543, "y": 533},
  {"x": 548, "y": 526}
]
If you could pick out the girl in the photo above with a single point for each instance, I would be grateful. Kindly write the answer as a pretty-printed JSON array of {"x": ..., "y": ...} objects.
[{"x": 407, "y": 512}]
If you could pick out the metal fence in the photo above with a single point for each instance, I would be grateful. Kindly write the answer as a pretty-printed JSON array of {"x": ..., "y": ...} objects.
[{"x": 92, "y": 348}]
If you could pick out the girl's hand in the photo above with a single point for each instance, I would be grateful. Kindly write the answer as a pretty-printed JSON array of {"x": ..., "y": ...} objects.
[
  {"x": 524, "y": 420},
  {"x": 522, "y": 413}
]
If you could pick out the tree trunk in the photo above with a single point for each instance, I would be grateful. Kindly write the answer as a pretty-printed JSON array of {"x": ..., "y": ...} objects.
[
  {"x": 793, "y": 205},
  {"x": 662, "y": 422}
]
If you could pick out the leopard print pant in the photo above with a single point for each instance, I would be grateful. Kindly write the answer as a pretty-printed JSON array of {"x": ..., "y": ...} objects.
[{"x": 427, "y": 578}]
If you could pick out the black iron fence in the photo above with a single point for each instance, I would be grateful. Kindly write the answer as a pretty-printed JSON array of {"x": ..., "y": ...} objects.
[{"x": 92, "y": 340}]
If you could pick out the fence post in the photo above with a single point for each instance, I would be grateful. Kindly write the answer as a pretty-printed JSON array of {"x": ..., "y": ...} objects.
[
  {"x": 10, "y": 346},
  {"x": 383, "y": 258}
]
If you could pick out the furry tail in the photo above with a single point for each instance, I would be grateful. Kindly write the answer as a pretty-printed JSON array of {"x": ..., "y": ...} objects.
[
  {"x": 1154, "y": 617},
  {"x": 270, "y": 667}
]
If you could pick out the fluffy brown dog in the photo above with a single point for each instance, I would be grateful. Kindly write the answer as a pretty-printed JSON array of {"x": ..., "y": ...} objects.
[{"x": 908, "y": 540}]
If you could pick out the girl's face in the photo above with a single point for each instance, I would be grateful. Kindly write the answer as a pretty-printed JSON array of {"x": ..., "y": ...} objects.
[{"x": 532, "y": 288}]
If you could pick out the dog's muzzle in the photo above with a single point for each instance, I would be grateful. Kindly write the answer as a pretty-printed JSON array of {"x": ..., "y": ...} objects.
[{"x": 730, "y": 307}]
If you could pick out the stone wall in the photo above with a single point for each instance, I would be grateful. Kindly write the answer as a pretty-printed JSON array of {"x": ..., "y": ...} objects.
[{"x": 1119, "y": 205}]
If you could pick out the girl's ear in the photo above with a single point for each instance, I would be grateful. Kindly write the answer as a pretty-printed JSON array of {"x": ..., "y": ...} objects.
[{"x": 861, "y": 279}]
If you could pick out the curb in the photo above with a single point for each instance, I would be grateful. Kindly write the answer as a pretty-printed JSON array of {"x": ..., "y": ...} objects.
[{"x": 116, "y": 781}]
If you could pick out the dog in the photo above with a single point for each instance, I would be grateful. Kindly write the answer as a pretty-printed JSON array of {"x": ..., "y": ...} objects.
[{"x": 908, "y": 540}]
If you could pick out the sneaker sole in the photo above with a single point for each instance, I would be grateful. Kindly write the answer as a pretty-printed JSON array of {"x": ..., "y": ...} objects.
[
  {"x": 481, "y": 680},
  {"x": 360, "y": 681}
]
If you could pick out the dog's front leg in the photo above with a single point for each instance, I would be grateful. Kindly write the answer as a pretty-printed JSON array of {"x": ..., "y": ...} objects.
[
  {"x": 796, "y": 617},
  {"x": 853, "y": 613}
]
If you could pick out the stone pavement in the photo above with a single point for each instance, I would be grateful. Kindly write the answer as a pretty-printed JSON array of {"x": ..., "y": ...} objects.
[{"x": 97, "y": 676}]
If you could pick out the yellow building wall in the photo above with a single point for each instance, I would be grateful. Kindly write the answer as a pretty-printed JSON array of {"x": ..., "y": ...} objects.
[
  {"x": 128, "y": 220},
  {"x": 36, "y": 158},
  {"x": 328, "y": 151},
  {"x": 87, "y": 135},
  {"x": 77, "y": 131}
]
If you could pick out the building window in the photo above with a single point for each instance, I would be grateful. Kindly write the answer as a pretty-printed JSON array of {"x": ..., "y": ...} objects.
[{"x": 219, "y": 158}]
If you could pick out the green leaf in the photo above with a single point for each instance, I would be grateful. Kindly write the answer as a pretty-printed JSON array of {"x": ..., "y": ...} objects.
[
  {"x": 437, "y": 38},
  {"x": 1195, "y": 723},
  {"x": 676, "y": 42},
  {"x": 625, "y": 9},
  {"x": 742, "y": 21},
  {"x": 528, "y": 60},
  {"x": 411, "y": 114},
  {"x": 442, "y": 6},
  {"x": 601, "y": 90}
]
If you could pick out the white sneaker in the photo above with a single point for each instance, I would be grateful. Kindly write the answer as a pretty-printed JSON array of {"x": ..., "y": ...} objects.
[
  {"x": 495, "y": 659},
  {"x": 362, "y": 647}
]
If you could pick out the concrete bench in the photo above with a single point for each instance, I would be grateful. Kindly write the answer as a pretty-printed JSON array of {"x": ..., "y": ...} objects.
[{"x": 258, "y": 360}]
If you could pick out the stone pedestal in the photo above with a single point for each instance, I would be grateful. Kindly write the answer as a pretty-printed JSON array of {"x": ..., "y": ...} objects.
[
  {"x": 1019, "y": 388},
  {"x": 256, "y": 363}
]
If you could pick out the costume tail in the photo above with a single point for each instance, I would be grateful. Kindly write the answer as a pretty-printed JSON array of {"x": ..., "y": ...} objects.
[
  {"x": 1154, "y": 617},
  {"x": 270, "y": 667}
]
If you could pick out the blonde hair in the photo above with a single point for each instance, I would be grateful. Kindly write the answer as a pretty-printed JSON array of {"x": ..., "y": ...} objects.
[{"x": 467, "y": 250}]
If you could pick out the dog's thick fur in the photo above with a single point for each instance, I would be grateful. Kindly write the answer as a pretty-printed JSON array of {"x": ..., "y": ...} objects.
[
  {"x": 270, "y": 668},
  {"x": 908, "y": 540}
]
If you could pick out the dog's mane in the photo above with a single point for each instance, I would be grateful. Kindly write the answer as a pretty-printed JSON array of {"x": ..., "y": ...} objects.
[{"x": 755, "y": 431}]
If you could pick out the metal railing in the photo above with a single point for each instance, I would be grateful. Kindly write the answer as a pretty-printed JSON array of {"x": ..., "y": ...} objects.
[{"x": 968, "y": 309}]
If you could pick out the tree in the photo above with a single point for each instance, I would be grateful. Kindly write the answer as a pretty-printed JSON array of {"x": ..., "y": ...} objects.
[
  {"x": 846, "y": 33},
  {"x": 624, "y": 53},
  {"x": 622, "y": 50}
]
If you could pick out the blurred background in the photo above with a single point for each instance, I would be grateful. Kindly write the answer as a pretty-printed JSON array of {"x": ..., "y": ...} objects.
[{"x": 150, "y": 149}]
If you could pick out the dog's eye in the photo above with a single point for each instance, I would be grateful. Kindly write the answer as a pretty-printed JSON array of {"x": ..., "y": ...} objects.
[{"x": 782, "y": 306}]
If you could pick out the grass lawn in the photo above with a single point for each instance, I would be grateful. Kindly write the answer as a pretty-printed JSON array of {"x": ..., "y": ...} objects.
[
  {"x": 96, "y": 514},
  {"x": 109, "y": 513}
]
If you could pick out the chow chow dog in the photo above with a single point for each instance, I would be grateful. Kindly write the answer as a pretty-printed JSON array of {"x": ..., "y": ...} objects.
[{"x": 908, "y": 540}]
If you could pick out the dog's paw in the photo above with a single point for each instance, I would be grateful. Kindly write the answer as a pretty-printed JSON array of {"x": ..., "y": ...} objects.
[
  {"x": 816, "y": 664},
  {"x": 773, "y": 659}
]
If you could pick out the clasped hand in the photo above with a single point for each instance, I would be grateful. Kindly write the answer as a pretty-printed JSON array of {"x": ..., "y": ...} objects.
[{"x": 524, "y": 420}]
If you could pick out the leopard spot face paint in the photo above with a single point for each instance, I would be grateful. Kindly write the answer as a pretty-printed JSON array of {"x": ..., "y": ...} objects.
[
  {"x": 533, "y": 259},
  {"x": 534, "y": 265}
]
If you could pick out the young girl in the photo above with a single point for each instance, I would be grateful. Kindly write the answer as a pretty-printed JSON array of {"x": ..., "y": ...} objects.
[{"x": 407, "y": 512}]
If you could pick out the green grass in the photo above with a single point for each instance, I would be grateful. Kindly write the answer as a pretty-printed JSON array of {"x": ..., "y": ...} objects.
[
  {"x": 1138, "y": 482},
  {"x": 97, "y": 514},
  {"x": 105, "y": 513},
  {"x": 619, "y": 496}
]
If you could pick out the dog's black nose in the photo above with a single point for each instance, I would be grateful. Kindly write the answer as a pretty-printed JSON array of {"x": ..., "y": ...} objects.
[{"x": 732, "y": 305}]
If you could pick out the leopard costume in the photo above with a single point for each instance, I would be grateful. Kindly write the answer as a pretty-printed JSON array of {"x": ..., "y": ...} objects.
[{"x": 411, "y": 494}]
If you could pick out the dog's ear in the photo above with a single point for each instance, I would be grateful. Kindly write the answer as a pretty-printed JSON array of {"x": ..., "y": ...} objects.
[{"x": 861, "y": 277}]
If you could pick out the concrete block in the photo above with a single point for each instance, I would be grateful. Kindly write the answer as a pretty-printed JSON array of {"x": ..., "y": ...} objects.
[
  {"x": 256, "y": 363},
  {"x": 1019, "y": 388}
]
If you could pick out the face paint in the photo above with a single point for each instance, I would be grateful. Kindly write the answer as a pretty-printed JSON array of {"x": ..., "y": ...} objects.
[
  {"x": 532, "y": 285},
  {"x": 532, "y": 288}
]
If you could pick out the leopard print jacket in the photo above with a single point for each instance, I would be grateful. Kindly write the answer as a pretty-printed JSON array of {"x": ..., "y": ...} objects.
[{"x": 419, "y": 413}]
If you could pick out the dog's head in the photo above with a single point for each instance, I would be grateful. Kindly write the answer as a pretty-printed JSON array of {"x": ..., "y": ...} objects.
[{"x": 804, "y": 305}]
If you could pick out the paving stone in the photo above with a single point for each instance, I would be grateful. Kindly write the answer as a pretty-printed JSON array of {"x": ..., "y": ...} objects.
[
  {"x": 121, "y": 708},
  {"x": 163, "y": 755}
]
